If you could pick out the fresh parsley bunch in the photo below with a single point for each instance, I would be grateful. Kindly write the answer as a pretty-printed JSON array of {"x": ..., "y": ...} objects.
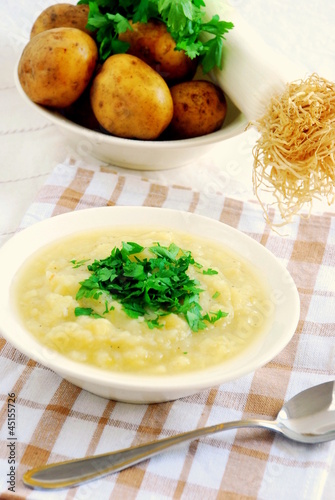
[
  {"x": 147, "y": 287},
  {"x": 184, "y": 20}
]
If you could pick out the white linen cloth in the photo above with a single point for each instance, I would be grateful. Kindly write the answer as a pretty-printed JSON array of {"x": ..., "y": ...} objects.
[{"x": 64, "y": 422}]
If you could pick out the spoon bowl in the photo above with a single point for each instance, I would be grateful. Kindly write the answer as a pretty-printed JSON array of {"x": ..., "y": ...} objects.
[{"x": 309, "y": 417}]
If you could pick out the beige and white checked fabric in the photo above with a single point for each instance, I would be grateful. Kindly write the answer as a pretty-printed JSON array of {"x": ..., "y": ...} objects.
[{"x": 58, "y": 421}]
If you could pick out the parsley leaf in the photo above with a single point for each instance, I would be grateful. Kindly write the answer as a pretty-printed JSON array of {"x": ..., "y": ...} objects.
[
  {"x": 78, "y": 263},
  {"x": 86, "y": 311},
  {"x": 212, "y": 317},
  {"x": 184, "y": 20},
  {"x": 209, "y": 271}
]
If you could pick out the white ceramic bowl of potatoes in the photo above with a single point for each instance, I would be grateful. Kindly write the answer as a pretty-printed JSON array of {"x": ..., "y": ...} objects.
[{"x": 150, "y": 108}]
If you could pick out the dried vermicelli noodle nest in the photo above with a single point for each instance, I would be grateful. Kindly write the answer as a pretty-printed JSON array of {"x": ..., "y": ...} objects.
[{"x": 294, "y": 157}]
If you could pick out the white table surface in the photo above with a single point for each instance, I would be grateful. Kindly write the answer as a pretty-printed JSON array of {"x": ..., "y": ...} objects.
[{"x": 31, "y": 147}]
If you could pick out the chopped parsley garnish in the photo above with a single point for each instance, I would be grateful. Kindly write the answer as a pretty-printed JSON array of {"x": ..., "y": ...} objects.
[
  {"x": 210, "y": 271},
  {"x": 78, "y": 263},
  {"x": 184, "y": 20},
  {"x": 86, "y": 311},
  {"x": 147, "y": 287}
]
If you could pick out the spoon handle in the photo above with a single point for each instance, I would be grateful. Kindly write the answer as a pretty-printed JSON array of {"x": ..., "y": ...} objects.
[{"x": 77, "y": 471}]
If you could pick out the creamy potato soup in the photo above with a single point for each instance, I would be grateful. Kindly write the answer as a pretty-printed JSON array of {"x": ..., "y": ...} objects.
[{"x": 203, "y": 328}]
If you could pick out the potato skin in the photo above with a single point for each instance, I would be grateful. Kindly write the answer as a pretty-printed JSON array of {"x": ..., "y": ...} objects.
[
  {"x": 62, "y": 15},
  {"x": 199, "y": 108},
  {"x": 152, "y": 43},
  {"x": 129, "y": 99},
  {"x": 56, "y": 66}
]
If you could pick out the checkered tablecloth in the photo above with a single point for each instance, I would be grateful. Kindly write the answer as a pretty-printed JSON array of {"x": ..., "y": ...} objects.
[{"x": 56, "y": 420}]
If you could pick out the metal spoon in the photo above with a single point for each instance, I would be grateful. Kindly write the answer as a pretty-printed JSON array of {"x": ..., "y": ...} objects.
[{"x": 309, "y": 417}]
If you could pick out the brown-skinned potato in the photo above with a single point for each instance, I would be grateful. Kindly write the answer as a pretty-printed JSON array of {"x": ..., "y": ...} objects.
[
  {"x": 130, "y": 99},
  {"x": 61, "y": 15},
  {"x": 199, "y": 108},
  {"x": 57, "y": 65},
  {"x": 152, "y": 43}
]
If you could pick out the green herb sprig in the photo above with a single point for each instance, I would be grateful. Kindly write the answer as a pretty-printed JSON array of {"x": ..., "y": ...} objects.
[
  {"x": 148, "y": 287},
  {"x": 184, "y": 20}
]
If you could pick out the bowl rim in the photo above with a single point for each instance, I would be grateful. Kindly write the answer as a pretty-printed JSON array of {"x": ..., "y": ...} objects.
[
  {"x": 61, "y": 121},
  {"x": 48, "y": 230}
]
